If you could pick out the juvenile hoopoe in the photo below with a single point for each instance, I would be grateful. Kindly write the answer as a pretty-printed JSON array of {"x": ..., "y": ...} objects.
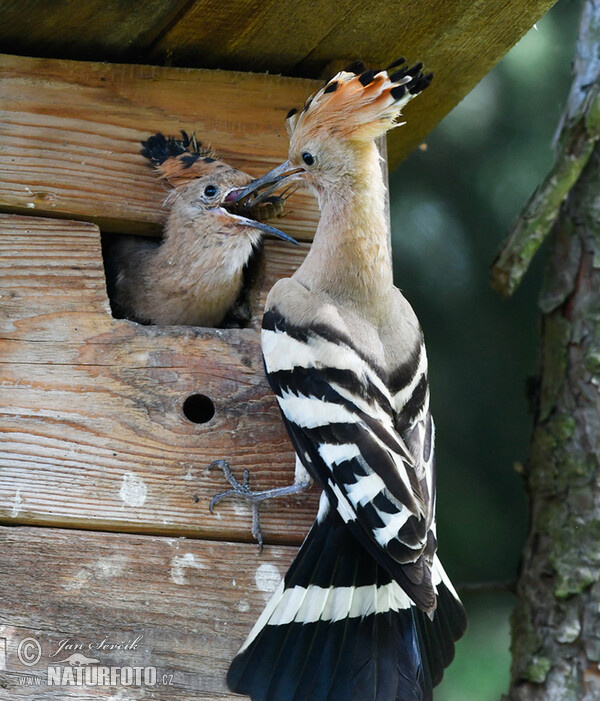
[
  {"x": 366, "y": 611},
  {"x": 195, "y": 274}
]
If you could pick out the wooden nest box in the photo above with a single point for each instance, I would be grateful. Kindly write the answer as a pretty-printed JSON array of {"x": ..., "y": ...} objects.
[{"x": 109, "y": 425}]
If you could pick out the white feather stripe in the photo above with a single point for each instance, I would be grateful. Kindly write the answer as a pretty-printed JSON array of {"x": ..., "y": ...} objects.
[
  {"x": 420, "y": 465},
  {"x": 373, "y": 599},
  {"x": 372, "y": 409},
  {"x": 289, "y": 605},
  {"x": 313, "y": 603},
  {"x": 402, "y": 396},
  {"x": 428, "y": 464},
  {"x": 343, "y": 507},
  {"x": 399, "y": 599},
  {"x": 393, "y": 523},
  {"x": 333, "y": 454},
  {"x": 310, "y": 412},
  {"x": 365, "y": 489},
  {"x": 428, "y": 468},
  {"x": 301, "y": 474},
  {"x": 438, "y": 574},
  {"x": 324, "y": 507},
  {"x": 282, "y": 352},
  {"x": 383, "y": 601},
  {"x": 338, "y": 603},
  {"x": 363, "y": 601}
]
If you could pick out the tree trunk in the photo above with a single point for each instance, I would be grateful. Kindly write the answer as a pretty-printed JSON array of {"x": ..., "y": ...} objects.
[{"x": 556, "y": 624}]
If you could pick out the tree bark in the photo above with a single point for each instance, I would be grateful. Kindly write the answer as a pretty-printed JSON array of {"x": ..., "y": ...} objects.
[
  {"x": 577, "y": 133},
  {"x": 556, "y": 624}
]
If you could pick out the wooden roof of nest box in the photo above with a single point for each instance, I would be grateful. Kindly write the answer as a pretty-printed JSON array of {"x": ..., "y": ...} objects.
[{"x": 460, "y": 40}]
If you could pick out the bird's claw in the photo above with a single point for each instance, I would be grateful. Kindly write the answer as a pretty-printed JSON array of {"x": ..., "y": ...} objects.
[{"x": 240, "y": 490}]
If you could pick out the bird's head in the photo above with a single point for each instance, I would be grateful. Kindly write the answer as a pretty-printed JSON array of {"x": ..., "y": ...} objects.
[
  {"x": 337, "y": 124},
  {"x": 208, "y": 203},
  {"x": 204, "y": 190}
]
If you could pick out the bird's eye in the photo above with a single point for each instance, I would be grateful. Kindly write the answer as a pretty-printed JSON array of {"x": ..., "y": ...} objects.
[
  {"x": 308, "y": 158},
  {"x": 211, "y": 191}
]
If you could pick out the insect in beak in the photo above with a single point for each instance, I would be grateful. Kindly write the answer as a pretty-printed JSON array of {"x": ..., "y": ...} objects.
[{"x": 251, "y": 195}]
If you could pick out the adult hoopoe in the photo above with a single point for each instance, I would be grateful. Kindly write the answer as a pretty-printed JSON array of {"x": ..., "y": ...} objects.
[
  {"x": 366, "y": 611},
  {"x": 195, "y": 274}
]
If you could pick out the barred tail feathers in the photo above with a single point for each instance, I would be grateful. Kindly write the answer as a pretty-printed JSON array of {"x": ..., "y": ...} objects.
[{"x": 338, "y": 627}]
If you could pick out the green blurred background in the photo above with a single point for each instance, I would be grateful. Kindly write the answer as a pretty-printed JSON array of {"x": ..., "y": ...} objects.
[{"x": 452, "y": 204}]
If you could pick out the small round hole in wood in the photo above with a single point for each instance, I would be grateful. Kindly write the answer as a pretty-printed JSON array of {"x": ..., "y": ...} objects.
[{"x": 198, "y": 408}]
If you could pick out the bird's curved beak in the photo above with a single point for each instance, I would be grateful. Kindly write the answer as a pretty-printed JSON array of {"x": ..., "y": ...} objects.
[
  {"x": 252, "y": 195},
  {"x": 261, "y": 226},
  {"x": 247, "y": 198}
]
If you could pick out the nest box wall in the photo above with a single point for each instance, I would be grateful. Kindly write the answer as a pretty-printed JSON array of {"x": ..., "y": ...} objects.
[
  {"x": 96, "y": 429},
  {"x": 104, "y": 421}
]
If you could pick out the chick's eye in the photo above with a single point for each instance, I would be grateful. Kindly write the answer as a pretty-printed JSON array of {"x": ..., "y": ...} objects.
[
  {"x": 211, "y": 190},
  {"x": 308, "y": 158}
]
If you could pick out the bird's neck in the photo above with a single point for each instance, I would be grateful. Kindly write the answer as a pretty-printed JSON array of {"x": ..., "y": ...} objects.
[
  {"x": 350, "y": 259},
  {"x": 192, "y": 250}
]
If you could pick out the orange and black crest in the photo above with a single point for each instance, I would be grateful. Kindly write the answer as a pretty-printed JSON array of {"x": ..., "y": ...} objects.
[
  {"x": 178, "y": 161},
  {"x": 358, "y": 103}
]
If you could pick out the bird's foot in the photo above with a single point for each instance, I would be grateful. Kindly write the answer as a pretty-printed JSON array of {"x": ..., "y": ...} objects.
[{"x": 241, "y": 490}]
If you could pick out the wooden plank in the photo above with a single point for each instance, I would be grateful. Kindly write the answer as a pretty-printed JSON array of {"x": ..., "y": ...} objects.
[
  {"x": 71, "y": 131},
  {"x": 276, "y": 261},
  {"x": 74, "y": 29},
  {"x": 92, "y": 430},
  {"x": 460, "y": 41},
  {"x": 189, "y": 604},
  {"x": 241, "y": 26}
]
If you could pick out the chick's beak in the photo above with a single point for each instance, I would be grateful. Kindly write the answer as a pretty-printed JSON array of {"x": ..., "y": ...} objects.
[
  {"x": 261, "y": 226},
  {"x": 267, "y": 183}
]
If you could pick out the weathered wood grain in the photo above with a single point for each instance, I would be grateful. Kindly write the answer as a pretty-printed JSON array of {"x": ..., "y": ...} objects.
[
  {"x": 92, "y": 431},
  {"x": 188, "y": 603},
  {"x": 75, "y": 29},
  {"x": 459, "y": 40},
  {"x": 70, "y": 136}
]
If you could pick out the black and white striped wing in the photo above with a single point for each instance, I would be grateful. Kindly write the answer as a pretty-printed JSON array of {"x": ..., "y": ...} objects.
[
  {"x": 343, "y": 422},
  {"x": 413, "y": 420}
]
